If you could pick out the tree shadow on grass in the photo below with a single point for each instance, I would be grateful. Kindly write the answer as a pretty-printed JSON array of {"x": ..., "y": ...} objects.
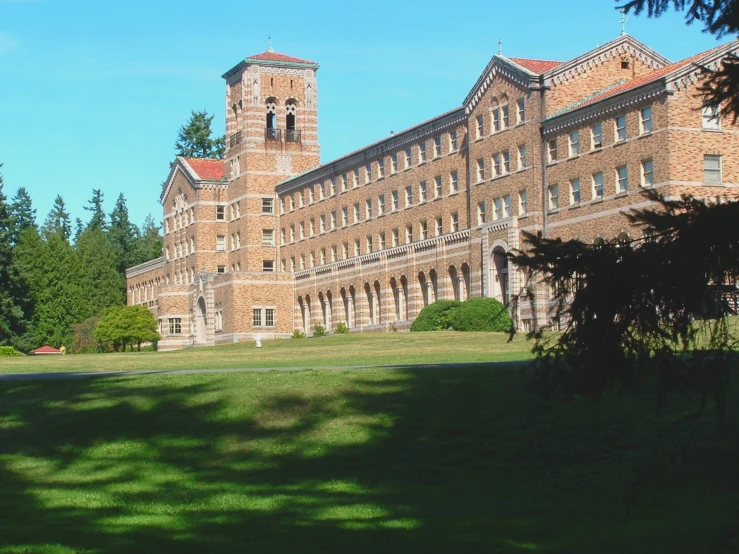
[{"x": 432, "y": 460}]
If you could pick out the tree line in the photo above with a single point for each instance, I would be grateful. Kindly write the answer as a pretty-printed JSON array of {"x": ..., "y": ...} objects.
[{"x": 56, "y": 276}]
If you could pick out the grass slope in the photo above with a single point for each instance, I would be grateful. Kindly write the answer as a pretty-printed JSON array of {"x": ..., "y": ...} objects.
[
  {"x": 436, "y": 460},
  {"x": 335, "y": 350}
]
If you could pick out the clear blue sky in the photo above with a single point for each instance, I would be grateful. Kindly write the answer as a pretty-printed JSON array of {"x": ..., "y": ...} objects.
[{"x": 92, "y": 93}]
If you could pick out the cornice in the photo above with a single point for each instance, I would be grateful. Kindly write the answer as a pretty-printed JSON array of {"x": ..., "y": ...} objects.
[{"x": 499, "y": 66}]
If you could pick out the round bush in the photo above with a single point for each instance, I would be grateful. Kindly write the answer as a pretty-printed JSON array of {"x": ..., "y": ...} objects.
[
  {"x": 481, "y": 314},
  {"x": 435, "y": 317}
]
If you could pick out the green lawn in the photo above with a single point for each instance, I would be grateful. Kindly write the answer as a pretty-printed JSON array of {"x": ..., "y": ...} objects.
[
  {"x": 336, "y": 350},
  {"x": 450, "y": 460}
]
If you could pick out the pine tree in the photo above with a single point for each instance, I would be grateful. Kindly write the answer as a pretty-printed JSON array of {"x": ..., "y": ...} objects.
[
  {"x": 149, "y": 245},
  {"x": 194, "y": 138},
  {"x": 97, "y": 220},
  {"x": 123, "y": 235},
  {"x": 23, "y": 213},
  {"x": 99, "y": 278},
  {"x": 58, "y": 220}
]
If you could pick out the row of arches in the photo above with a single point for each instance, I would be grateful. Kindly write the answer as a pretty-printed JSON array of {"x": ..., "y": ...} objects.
[
  {"x": 145, "y": 291},
  {"x": 291, "y": 113}
]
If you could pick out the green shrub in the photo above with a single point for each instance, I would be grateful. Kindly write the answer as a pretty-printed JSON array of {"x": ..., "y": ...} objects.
[
  {"x": 435, "y": 317},
  {"x": 319, "y": 331},
  {"x": 298, "y": 334},
  {"x": 481, "y": 314},
  {"x": 9, "y": 352},
  {"x": 341, "y": 328}
]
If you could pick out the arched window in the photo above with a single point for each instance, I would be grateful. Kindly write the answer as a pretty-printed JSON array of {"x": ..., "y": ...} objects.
[
  {"x": 291, "y": 119},
  {"x": 271, "y": 118}
]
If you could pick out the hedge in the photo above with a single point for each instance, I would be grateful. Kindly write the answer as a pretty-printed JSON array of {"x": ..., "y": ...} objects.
[
  {"x": 9, "y": 352},
  {"x": 435, "y": 317},
  {"x": 475, "y": 314}
]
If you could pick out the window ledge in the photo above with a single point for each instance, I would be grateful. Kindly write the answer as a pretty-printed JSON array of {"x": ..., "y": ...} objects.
[
  {"x": 575, "y": 206},
  {"x": 644, "y": 135},
  {"x": 596, "y": 200},
  {"x": 620, "y": 142}
]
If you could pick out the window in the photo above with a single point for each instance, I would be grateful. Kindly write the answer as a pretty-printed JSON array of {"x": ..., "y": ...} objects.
[
  {"x": 452, "y": 141},
  {"x": 356, "y": 247},
  {"x": 312, "y": 259},
  {"x": 496, "y": 120},
  {"x": 712, "y": 169},
  {"x": 175, "y": 326},
  {"x": 422, "y": 192},
  {"x": 367, "y": 173},
  {"x": 437, "y": 147},
  {"x": 333, "y": 220},
  {"x": 507, "y": 205},
  {"x": 408, "y": 155},
  {"x": 238, "y": 210},
  {"x": 343, "y": 183},
  {"x": 323, "y": 256},
  {"x": 221, "y": 243},
  {"x": 454, "y": 219},
  {"x": 408, "y": 196},
  {"x": 480, "y": 170},
  {"x": 292, "y": 264},
  {"x": 622, "y": 179},
  {"x": 300, "y": 200},
  {"x": 520, "y": 111},
  {"x": 368, "y": 244},
  {"x": 381, "y": 241},
  {"x": 506, "y": 117},
  {"x": 322, "y": 223},
  {"x": 219, "y": 320},
  {"x": 423, "y": 230},
  {"x": 620, "y": 128},
  {"x": 356, "y": 178},
  {"x": 395, "y": 201},
  {"x": 438, "y": 188},
  {"x": 268, "y": 265},
  {"x": 575, "y": 191},
  {"x": 332, "y": 186},
  {"x": 356, "y": 212},
  {"x": 396, "y": 237},
  {"x": 380, "y": 169},
  {"x": 311, "y": 228},
  {"x": 220, "y": 213},
  {"x": 421, "y": 152},
  {"x": 480, "y": 127},
  {"x": 302, "y": 261},
  {"x": 408, "y": 234},
  {"x": 368, "y": 209},
  {"x": 552, "y": 150},
  {"x": 301, "y": 229},
  {"x": 497, "y": 208},
  {"x": 596, "y": 134},
  {"x": 574, "y": 144},
  {"x": 192, "y": 245},
  {"x": 268, "y": 236},
  {"x": 439, "y": 227},
  {"x": 381, "y": 204},
  {"x": 221, "y": 269},
  {"x": 553, "y": 197},
  {"x": 292, "y": 233},
  {"x": 268, "y": 205},
  {"x": 394, "y": 163},
  {"x": 269, "y": 317},
  {"x": 597, "y": 185},
  {"x": 322, "y": 191},
  {"x": 506, "y": 162},
  {"x": 523, "y": 202},
  {"x": 257, "y": 317},
  {"x": 711, "y": 116},
  {"x": 310, "y": 195},
  {"x": 497, "y": 165},
  {"x": 522, "y": 156},
  {"x": 647, "y": 173},
  {"x": 480, "y": 213},
  {"x": 233, "y": 212},
  {"x": 345, "y": 250},
  {"x": 645, "y": 121}
]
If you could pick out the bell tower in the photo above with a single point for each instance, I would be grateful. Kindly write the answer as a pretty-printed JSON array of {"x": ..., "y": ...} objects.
[{"x": 271, "y": 135}]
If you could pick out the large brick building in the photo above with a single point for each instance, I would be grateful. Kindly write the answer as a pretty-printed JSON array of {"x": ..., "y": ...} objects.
[{"x": 268, "y": 240}]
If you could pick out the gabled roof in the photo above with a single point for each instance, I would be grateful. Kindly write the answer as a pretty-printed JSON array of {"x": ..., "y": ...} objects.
[
  {"x": 535, "y": 66},
  {"x": 46, "y": 350},
  {"x": 272, "y": 56},
  {"x": 205, "y": 169}
]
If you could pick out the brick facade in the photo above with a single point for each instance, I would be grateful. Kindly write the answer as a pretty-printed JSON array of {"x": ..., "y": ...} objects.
[{"x": 428, "y": 213}]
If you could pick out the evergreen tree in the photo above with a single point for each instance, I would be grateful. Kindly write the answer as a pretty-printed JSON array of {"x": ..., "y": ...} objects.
[
  {"x": 79, "y": 226},
  {"x": 58, "y": 220},
  {"x": 123, "y": 235},
  {"x": 99, "y": 278},
  {"x": 23, "y": 212},
  {"x": 95, "y": 206},
  {"x": 194, "y": 138},
  {"x": 150, "y": 241}
]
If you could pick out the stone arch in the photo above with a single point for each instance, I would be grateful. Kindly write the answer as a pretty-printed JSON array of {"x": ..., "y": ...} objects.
[
  {"x": 291, "y": 114},
  {"x": 465, "y": 281},
  {"x": 352, "y": 307},
  {"x": 456, "y": 286},
  {"x": 308, "y": 315},
  {"x": 370, "y": 294},
  {"x": 201, "y": 330},
  {"x": 499, "y": 272},
  {"x": 271, "y": 112},
  {"x": 378, "y": 303},
  {"x": 397, "y": 298},
  {"x": 404, "y": 296},
  {"x": 329, "y": 309},
  {"x": 423, "y": 283},
  {"x": 433, "y": 286}
]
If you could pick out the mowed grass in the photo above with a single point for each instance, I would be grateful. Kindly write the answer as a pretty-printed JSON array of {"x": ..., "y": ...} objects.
[
  {"x": 378, "y": 460},
  {"x": 337, "y": 350}
]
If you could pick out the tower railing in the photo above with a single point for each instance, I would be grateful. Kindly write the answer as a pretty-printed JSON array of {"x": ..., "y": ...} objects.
[
  {"x": 292, "y": 135},
  {"x": 273, "y": 134},
  {"x": 234, "y": 139}
]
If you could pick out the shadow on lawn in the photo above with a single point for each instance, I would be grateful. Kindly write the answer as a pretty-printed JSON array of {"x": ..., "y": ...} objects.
[{"x": 404, "y": 461}]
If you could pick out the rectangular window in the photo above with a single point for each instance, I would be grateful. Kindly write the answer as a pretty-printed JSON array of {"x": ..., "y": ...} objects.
[
  {"x": 423, "y": 230},
  {"x": 712, "y": 169},
  {"x": 300, "y": 200},
  {"x": 711, "y": 116},
  {"x": 647, "y": 173},
  {"x": 269, "y": 317},
  {"x": 344, "y": 216},
  {"x": 322, "y": 223},
  {"x": 645, "y": 121},
  {"x": 256, "y": 317},
  {"x": 408, "y": 155},
  {"x": 597, "y": 185},
  {"x": 396, "y": 237},
  {"x": 381, "y": 241},
  {"x": 453, "y": 182},
  {"x": 507, "y": 205},
  {"x": 310, "y": 195},
  {"x": 175, "y": 326},
  {"x": 480, "y": 213},
  {"x": 268, "y": 266},
  {"x": 368, "y": 244},
  {"x": 452, "y": 141},
  {"x": 496, "y": 121},
  {"x": 333, "y": 220},
  {"x": 268, "y": 237},
  {"x": 553, "y": 197},
  {"x": 438, "y": 187},
  {"x": 302, "y": 261},
  {"x": 343, "y": 183},
  {"x": 552, "y": 151},
  {"x": 221, "y": 243},
  {"x": 520, "y": 111},
  {"x": 497, "y": 165},
  {"x": 622, "y": 179},
  {"x": 437, "y": 147},
  {"x": 395, "y": 201},
  {"x": 523, "y": 202},
  {"x": 480, "y": 127},
  {"x": 394, "y": 163},
  {"x": 368, "y": 212},
  {"x": 408, "y": 234},
  {"x": 220, "y": 213},
  {"x": 322, "y": 191},
  {"x": 356, "y": 212},
  {"x": 597, "y": 136},
  {"x": 574, "y": 144},
  {"x": 522, "y": 156},
  {"x": 497, "y": 209},
  {"x": 367, "y": 173},
  {"x": 480, "y": 170},
  {"x": 506, "y": 116},
  {"x": 282, "y": 236},
  {"x": 332, "y": 186},
  {"x": 421, "y": 152},
  {"x": 439, "y": 226},
  {"x": 282, "y": 205},
  {"x": 381, "y": 204},
  {"x": 221, "y": 269},
  {"x": 380, "y": 169},
  {"x": 454, "y": 222},
  {"x": 345, "y": 250},
  {"x": 575, "y": 191},
  {"x": 323, "y": 256},
  {"x": 268, "y": 205},
  {"x": 408, "y": 196},
  {"x": 620, "y": 128},
  {"x": 422, "y": 192},
  {"x": 356, "y": 247},
  {"x": 356, "y": 178},
  {"x": 506, "y": 162}
]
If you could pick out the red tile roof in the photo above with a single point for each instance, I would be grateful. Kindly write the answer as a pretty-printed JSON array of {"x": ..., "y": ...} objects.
[
  {"x": 46, "y": 350},
  {"x": 275, "y": 57},
  {"x": 535, "y": 66},
  {"x": 207, "y": 169}
]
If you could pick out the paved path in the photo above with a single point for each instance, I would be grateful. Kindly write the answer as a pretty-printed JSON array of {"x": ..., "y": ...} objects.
[{"x": 93, "y": 374}]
